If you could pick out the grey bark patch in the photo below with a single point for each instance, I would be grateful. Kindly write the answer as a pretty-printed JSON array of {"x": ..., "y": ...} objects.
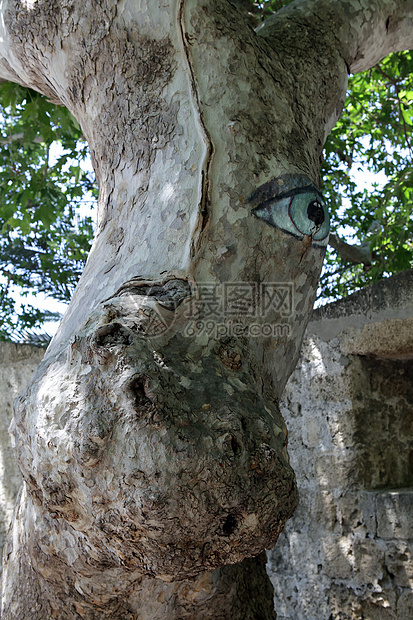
[
  {"x": 169, "y": 293},
  {"x": 36, "y": 25},
  {"x": 287, "y": 117},
  {"x": 32, "y": 28},
  {"x": 116, "y": 70},
  {"x": 132, "y": 71},
  {"x": 111, "y": 335}
]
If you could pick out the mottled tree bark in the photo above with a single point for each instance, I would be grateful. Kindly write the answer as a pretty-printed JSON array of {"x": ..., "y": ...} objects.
[{"x": 150, "y": 441}]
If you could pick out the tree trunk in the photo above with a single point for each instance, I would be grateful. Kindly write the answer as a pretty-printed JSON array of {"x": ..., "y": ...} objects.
[{"x": 150, "y": 439}]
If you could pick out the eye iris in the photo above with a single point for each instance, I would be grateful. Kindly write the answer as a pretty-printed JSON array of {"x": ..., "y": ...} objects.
[{"x": 315, "y": 212}]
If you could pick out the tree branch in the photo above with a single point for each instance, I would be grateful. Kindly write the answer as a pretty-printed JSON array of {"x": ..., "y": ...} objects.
[
  {"x": 364, "y": 31},
  {"x": 355, "y": 254},
  {"x": 15, "y": 137}
]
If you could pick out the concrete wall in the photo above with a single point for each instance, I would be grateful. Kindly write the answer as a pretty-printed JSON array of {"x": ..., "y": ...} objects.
[
  {"x": 17, "y": 363},
  {"x": 348, "y": 551}
]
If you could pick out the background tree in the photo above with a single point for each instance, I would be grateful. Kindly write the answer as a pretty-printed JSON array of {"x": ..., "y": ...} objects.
[
  {"x": 46, "y": 232},
  {"x": 374, "y": 132}
]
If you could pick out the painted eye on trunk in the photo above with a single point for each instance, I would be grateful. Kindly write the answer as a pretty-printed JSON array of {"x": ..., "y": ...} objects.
[{"x": 299, "y": 211}]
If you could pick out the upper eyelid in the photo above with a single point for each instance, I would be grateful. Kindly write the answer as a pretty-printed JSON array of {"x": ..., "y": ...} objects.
[
  {"x": 283, "y": 186},
  {"x": 309, "y": 189}
]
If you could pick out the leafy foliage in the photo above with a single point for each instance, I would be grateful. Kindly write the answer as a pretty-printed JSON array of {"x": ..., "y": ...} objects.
[
  {"x": 32, "y": 337},
  {"x": 374, "y": 133},
  {"x": 45, "y": 237}
]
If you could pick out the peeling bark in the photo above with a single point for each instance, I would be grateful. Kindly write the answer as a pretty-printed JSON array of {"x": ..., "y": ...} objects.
[{"x": 150, "y": 440}]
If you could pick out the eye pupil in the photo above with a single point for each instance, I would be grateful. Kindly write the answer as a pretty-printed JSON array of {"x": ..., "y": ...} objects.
[{"x": 315, "y": 212}]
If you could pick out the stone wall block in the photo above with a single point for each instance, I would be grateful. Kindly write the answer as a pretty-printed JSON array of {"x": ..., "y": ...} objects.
[
  {"x": 399, "y": 562},
  {"x": 347, "y": 553},
  {"x": 357, "y": 513},
  {"x": 405, "y": 605},
  {"x": 339, "y": 559},
  {"x": 394, "y": 514},
  {"x": 333, "y": 472},
  {"x": 368, "y": 560}
]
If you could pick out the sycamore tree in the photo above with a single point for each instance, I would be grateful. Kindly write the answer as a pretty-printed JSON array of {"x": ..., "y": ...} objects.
[{"x": 150, "y": 440}]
